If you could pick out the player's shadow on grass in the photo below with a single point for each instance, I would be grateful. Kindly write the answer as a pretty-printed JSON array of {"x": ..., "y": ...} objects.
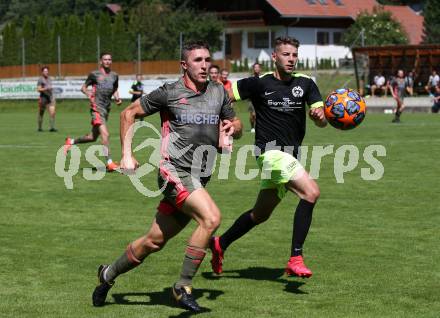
[
  {"x": 163, "y": 298},
  {"x": 260, "y": 273}
]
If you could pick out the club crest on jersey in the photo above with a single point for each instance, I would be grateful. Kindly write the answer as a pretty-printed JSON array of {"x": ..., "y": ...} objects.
[{"x": 297, "y": 91}]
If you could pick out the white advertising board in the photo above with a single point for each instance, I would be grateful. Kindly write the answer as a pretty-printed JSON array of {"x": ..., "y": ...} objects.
[{"x": 65, "y": 89}]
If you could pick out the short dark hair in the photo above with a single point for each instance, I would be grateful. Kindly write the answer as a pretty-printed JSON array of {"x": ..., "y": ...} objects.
[
  {"x": 104, "y": 53},
  {"x": 214, "y": 66},
  {"x": 44, "y": 68},
  {"x": 286, "y": 40},
  {"x": 192, "y": 45},
  {"x": 255, "y": 64}
]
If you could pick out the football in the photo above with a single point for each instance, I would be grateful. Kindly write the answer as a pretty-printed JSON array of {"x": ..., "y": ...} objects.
[{"x": 345, "y": 109}]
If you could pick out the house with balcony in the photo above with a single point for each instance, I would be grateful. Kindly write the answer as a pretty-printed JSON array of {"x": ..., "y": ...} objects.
[{"x": 252, "y": 25}]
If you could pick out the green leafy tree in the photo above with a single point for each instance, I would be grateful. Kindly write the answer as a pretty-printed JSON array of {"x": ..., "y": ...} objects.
[
  {"x": 27, "y": 34},
  {"x": 431, "y": 24},
  {"x": 4, "y": 45},
  {"x": 73, "y": 43},
  {"x": 89, "y": 34},
  {"x": 16, "y": 9},
  {"x": 122, "y": 42},
  {"x": 150, "y": 20},
  {"x": 161, "y": 26},
  {"x": 42, "y": 40},
  {"x": 55, "y": 33},
  {"x": 105, "y": 33},
  {"x": 197, "y": 26},
  {"x": 378, "y": 27}
]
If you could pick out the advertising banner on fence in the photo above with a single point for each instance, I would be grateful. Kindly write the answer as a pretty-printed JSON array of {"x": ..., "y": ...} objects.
[{"x": 65, "y": 89}]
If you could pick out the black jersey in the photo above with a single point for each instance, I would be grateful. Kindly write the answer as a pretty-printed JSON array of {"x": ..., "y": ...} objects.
[
  {"x": 280, "y": 107},
  {"x": 137, "y": 87}
]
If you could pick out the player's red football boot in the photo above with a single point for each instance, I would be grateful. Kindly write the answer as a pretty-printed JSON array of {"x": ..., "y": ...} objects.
[
  {"x": 112, "y": 166},
  {"x": 217, "y": 255},
  {"x": 296, "y": 267},
  {"x": 67, "y": 146}
]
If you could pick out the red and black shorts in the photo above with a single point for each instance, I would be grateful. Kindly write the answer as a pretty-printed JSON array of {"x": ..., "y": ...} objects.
[
  {"x": 176, "y": 184},
  {"x": 99, "y": 115}
]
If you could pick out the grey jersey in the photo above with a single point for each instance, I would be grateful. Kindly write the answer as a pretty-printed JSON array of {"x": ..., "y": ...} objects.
[
  {"x": 45, "y": 83},
  {"x": 189, "y": 119},
  {"x": 103, "y": 87},
  {"x": 399, "y": 86}
]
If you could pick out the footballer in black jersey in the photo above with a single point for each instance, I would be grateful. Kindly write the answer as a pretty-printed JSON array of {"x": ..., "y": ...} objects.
[{"x": 280, "y": 99}]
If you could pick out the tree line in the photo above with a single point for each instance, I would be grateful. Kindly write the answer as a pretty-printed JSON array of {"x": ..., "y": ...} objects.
[{"x": 81, "y": 37}]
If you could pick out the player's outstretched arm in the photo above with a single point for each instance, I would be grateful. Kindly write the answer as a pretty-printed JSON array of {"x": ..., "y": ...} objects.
[
  {"x": 85, "y": 91},
  {"x": 118, "y": 100},
  {"x": 317, "y": 115},
  {"x": 127, "y": 118}
]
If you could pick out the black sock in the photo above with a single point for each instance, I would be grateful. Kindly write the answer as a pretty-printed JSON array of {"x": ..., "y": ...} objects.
[
  {"x": 240, "y": 227},
  {"x": 301, "y": 225}
]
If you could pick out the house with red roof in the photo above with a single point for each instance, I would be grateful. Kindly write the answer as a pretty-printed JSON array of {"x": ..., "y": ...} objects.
[{"x": 252, "y": 25}]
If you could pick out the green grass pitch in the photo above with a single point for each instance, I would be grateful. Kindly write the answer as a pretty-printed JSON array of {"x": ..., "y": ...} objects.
[{"x": 373, "y": 245}]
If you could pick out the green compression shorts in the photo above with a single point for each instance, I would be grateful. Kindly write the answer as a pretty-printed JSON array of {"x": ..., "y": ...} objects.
[{"x": 277, "y": 168}]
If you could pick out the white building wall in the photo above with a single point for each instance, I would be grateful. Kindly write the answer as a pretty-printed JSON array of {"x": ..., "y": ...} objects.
[{"x": 307, "y": 50}]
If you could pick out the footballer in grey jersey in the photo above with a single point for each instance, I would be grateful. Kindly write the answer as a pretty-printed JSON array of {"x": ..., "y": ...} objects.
[
  {"x": 192, "y": 113},
  {"x": 46, "y": 99},
  {"x": 104, "y": 84}
]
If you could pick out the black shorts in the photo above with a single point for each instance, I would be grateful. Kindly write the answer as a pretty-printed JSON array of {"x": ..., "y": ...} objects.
[{"x": 44, "y": 101}]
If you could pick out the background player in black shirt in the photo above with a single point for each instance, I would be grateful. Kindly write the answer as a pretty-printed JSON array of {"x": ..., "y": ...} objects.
[
  {"x": 280, "y": 100},
  {"x": 137, "y": 89}
]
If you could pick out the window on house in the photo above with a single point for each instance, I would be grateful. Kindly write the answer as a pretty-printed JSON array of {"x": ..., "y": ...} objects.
[
  {"x": 311, "y": 1},
  {"x": 228, "y": 39},
  {"x": 323, "y": 38},
  {"x": 338, "y": 2},
  {"x": 260, "y": 40},
  {"x": 323, "y": 2},
  {"x": 337, "y": 38}
]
